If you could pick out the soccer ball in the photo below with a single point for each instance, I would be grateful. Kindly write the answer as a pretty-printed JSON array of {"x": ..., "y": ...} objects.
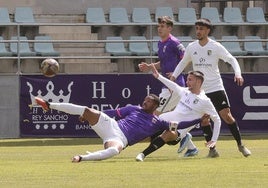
[{"x": 50, "y": 67}]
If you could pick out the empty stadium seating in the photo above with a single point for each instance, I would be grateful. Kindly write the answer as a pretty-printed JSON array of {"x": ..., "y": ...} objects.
[
  {"x": 187, "y": 15},
  {"x": 232, "y": 15},
  {"x": 3, "y": 50},
  {"x": 44, "y": 48},
  {"x": 255, "y": 15},
  {"x": 141, "y": 15},
  {"x": 95, "y": 15},
  {"x": 4, "y": 15},
  {"x": 211, "y": 13},
  {"x": 24, "y": 48},
  {"x": 254, "y": 47},
  {"x": 139, "y": 48},
  {"x": 116, "y": 48},
  {"x": 24, "y": 15},
  {"x": 233, "y": 46},
  {"x": 164, "y": 11}
]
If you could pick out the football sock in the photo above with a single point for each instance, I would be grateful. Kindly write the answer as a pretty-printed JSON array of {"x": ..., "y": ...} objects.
[
  {"x": 208, "y": 134},
  {"x": 235, "y": 132},
  {"x": 154, "y": 145},
  {"x": 68, "y": 108},
  {"x": 100, "y": 155},
  {"x": 190, "y": 145}
]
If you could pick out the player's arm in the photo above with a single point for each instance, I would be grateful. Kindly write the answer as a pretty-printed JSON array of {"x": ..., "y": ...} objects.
[
  {"x": 171, "y": 85},
  {"x": 119, "y": 113},
  {"x": 229, "y": 58},
  {"x": 145, "y": 67},
  {"x": 214, "y": 116},
  {"x": 182, "y": 64}
]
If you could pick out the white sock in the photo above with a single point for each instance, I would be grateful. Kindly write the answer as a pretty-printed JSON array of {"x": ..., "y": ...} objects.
[
  {"x": 101, "y": 154},
  {"x": 190, "y": 145},
  {"x": 184, "y": 131},
  {"x": 68, "y": 108}
]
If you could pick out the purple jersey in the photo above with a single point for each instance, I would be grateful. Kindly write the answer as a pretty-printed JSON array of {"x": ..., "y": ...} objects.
[
  {"x": 137, "y": 124},
  {"x": 170, "y": 52}
]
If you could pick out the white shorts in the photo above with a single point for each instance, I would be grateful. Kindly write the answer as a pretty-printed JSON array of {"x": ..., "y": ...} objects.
[
  {"x": 108, "y": 129},
  {"x": 168, "y": 100}
]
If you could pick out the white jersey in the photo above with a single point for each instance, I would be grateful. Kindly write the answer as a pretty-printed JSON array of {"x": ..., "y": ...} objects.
[
  {"x": 192, "y": 106},
  {"x": 206, "y": 59}
]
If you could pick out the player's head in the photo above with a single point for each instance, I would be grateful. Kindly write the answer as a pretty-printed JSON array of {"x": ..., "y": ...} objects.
[
  {"x": 165, "y": 20},
  {"x": 150, "y": 103},
  {"x": 164, "y": 28},
  {"x": 203, "y": 26},
  {"x": 195, "y": 80}
]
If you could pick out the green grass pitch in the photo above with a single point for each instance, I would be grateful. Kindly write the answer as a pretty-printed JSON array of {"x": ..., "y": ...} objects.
[{"x": 47, "y": 163}]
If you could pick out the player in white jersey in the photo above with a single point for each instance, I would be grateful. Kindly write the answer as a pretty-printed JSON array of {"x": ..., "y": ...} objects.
[
  {"x": 193, "y": 104},
  {"x": 205, "y": 54}
]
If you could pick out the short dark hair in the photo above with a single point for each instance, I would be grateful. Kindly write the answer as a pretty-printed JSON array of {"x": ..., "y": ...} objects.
[
  {"x": 197, "y": 74},
  {"x": 204, "y": 22},
  {"x": 165, "y": 19},
  {"x": 155, "y": 98}
]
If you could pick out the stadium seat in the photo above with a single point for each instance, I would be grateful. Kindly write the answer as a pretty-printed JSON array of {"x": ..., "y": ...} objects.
[
  {"x": 24, "y": 48},
  {"x": 24, "y": 15},
  {"x": 163, "y": 11},
  {"x": 155, "y": 44},
  {"x": 95, "y": 15},
  {"x": 233, "y": 46},
  {"x": 232, "y": 15},
  {"x": 185, "y": 40},
  {"x": 141, "y": 15},
  {"x": 139, "y": 48},
  {"x": 255, "y": 15},
  {"x": 3, "y": 50},
  {"x": 4, "y": 15},
  {"x": 118, "y": 15},
  {"x": 254, "y": 47},
  {"x": 210, "y": 13},
  {"x": 187, "y": 15},
  {"x": 116, "y": 48},
  {"x": 44, "y": 48}
]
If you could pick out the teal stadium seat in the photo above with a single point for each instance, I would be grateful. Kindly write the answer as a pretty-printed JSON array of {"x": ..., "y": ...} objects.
[
  {"x": 4, "y": 15},
  {"x": 118, "y": 15},
  {"x": 3, "y": 50},
  {"x": 95, "y": 15},
  {"x": 233, "y": 46},
  {"x": 116, "y": 48},
  {"x": 164, "y": 11},
  {"x": 254, "y": 47},
  {"x": 24, "y": 15},
  {"x": 255, "y": 15},
  {"x": 187, "y": 15},
  {"x": 141, "y": 15},
  {"x": 185, "y": 40},
  {"x": 139, "y": 48},
  {"x": 24, "y": 47},
  {"x": 232, "y": 15},
  {"x": 44, "y": 48},
  {"x": 211, "y": 13}
]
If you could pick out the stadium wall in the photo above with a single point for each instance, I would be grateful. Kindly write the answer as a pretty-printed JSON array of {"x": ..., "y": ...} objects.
[{"x": 9, "y": 106}]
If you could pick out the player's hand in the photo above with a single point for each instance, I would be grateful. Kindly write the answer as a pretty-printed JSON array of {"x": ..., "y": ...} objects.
[
  {"x": 211, "y": 144},
  {"x": 172, "y": 78},
  {"x": 144, "y": 67},
  {"x": 239, "y": 80},
  {"x": 169, "y": 74},
  {"x": 154, "y": 70}
]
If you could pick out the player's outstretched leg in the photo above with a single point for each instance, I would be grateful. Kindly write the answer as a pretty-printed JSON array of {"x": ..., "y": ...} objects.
[{"x": 44, "y": 104}]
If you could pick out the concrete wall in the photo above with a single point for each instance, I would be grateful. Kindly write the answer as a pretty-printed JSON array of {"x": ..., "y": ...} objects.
[{"x": 9, "y": 106}]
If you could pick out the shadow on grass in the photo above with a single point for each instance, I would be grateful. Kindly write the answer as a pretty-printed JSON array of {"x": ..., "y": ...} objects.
[{"x": 48, "y": 141}]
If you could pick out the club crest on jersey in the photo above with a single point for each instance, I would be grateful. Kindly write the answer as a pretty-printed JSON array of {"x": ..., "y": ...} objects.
[
  {"x": 209, "y": 52},
  {"x": 196, "y": 101},
  {"x": 164, "y": 49}
]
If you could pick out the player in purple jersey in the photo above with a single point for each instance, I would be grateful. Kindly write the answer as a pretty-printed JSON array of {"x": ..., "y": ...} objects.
[
  {"x": 132, "y": 124},
  {"x": 170, "y": 52}
]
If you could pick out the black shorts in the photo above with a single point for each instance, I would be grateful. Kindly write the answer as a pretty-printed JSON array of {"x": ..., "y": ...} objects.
[{"x": 219, "y": 99}]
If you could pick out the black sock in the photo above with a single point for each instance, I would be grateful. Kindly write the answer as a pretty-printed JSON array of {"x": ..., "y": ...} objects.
[
  {"x": 157, "y": 143},
  {"x": 207, "y": 133},
  {"x": 235, "y": 132}
]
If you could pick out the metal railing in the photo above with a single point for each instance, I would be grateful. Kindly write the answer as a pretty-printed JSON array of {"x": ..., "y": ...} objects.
[{"x": 19, "y": 58}]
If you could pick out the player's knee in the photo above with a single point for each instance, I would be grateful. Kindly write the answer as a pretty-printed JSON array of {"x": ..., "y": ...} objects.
[
  {"x": 168, "y": 136},
  {"x": 113, "y": 151}
]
